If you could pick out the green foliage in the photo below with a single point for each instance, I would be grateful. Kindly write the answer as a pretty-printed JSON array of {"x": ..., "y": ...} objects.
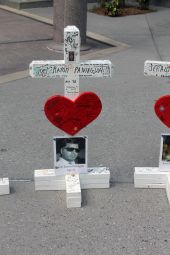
[
  {"x": 112, "y": 8},
  {"x": 144, "y": 4}
]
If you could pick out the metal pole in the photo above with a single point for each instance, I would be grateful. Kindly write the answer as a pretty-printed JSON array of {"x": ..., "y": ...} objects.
[{"x": 69, "y": 12}]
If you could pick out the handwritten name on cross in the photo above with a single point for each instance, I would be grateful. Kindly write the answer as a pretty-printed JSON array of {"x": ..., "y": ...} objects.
[
  {"x": 70, "y": 68},
  {"x": 157, "y": 68}
]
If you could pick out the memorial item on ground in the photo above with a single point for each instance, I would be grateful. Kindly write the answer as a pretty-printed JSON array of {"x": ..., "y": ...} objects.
[
  {"x": 158, "y": 177},
  {"x": 71, "y": 113}
]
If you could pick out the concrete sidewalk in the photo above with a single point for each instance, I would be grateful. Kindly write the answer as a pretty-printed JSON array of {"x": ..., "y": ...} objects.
[
  {"x": 120, "y": 220},
  {"x": 20, "y": 48}
]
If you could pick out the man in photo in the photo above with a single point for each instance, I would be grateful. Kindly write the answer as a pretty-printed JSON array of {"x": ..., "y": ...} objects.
[{"x": 69, "y": 153}]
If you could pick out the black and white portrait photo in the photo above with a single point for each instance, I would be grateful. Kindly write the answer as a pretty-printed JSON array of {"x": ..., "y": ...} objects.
[
  {"x": 70, "y": 151},
  {"x": 164, "y": 161}
]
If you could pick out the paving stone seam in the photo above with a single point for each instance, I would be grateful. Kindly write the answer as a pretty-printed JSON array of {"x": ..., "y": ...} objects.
[{"x": 25, "y": 41}]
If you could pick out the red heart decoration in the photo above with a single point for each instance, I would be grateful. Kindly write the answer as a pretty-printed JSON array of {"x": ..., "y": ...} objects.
[
  {"x": 162, "y": 109},
  {"x": 72, "y": 115}
]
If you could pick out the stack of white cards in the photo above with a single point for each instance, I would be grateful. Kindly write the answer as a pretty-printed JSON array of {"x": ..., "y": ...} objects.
[
  {"x": 49, "y": 179},
  {"x": 149, "y": 177},
  {"x": 95, "y": 178},
  {"x": 54, "y": 179},
  {"x": 4, "y": 186},
  {"x": 73, "y": 190}
]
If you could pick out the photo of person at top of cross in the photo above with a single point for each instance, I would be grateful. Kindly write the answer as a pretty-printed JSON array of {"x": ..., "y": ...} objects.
[{"x": 70, "y": 151}]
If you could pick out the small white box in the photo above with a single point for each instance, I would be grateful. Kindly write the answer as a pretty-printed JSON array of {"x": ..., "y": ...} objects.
[
  {"x": 97, "y": 181},
  {"x": 95, "y": 185},
  {"x": 149, "y": 185},
  {"x": 50, "y": 187},
  {"x": 73, "y": 190},
  {"x": 149, "y": 172},
  {"x": 49, "y": 174},
  {"x": 168, "y": 187},
  {"x": 73, "y": 200},
  {"x": 73, "y": 205},
  {"x": 149, "y": 177},
  {"x": 54, "y": 182},
  {"x": 4, "y": 186},
  {"x": 97, "y": 172},
  {"x": 72, "y": 184}
]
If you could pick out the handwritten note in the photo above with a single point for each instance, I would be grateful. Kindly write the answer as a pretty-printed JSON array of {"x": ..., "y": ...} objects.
[
  {"x": 95, "y": 69},
  {"x": 157, "y": 68}
]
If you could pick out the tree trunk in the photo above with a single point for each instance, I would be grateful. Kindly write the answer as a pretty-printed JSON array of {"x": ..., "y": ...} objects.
[
  {"x": 144, "y": 4},
  {"x": 69, "y": 12}
]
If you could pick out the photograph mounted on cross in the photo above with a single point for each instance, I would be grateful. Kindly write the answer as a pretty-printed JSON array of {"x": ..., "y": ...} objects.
[
  {"x": 70, "y": 151},
  {"x": 164, "y": 158}
]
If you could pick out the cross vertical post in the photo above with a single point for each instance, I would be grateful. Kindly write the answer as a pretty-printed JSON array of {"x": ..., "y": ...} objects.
[{"x": 71, "y": 58}]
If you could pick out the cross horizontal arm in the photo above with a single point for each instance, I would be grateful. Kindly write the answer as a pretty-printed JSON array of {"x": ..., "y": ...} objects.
[
  {"x": 52, "y": 69},
  {"x": 54, "y": 179},
  {"x": 157, "y": 68}
]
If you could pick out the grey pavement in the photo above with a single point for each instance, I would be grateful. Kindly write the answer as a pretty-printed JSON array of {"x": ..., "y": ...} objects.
[
  {"x": 120, "y": 220},
  {"x": 18, "y": 48}
]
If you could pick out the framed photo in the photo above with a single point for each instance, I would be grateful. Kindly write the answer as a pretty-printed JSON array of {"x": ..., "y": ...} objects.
[
  {"x": 70, "y": 151},
  {"x": 164, "y": 158}
]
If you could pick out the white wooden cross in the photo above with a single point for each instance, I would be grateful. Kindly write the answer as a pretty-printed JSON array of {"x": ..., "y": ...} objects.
[
  {"x": 71, "y": 69},
  {"x": 154, "y": 177}
]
